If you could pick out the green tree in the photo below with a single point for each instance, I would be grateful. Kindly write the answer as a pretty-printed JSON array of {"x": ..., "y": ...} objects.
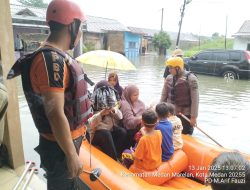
[
  {"x": 88, "y": 46},
  {"x": 215, "y": 35},
  {"x": 218, "y": 43},
  {"x": 34, "y": 3},
  {"x": 162, "y": 42}
]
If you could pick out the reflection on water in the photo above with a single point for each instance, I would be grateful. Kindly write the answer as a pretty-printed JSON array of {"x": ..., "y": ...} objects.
[
  {"x": 224, "y": 106},
  {"x": 224, "y": 109}
]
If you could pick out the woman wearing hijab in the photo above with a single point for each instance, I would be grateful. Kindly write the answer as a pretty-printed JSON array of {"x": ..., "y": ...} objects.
[
  {"x": 107, "y": 135},
  {"x": 132, "y": 109},
  {"x": 114, "y": 81}
]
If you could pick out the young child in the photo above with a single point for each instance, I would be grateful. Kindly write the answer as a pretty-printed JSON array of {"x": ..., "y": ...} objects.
[
  {"x": 162, "y": 110},
  {"x": 147, "y": 154},
  {"x": 177, "y": 127}
]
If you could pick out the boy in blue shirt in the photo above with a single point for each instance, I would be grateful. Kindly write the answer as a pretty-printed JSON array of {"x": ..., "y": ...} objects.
[{"x": 166, "y": 129}]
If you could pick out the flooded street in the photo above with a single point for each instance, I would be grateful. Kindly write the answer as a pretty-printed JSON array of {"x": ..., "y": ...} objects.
[{"x": 223, "y": 112}]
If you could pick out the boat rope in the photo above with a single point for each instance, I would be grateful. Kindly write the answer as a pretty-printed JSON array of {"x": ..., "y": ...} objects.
[{"x": 90, "y": 153}]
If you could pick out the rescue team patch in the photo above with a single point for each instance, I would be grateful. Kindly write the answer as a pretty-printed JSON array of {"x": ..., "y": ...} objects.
[{"x": 55, "y": 68}]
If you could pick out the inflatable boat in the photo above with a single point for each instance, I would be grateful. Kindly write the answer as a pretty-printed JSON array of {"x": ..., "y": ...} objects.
[{"x": 187, "y": 169}]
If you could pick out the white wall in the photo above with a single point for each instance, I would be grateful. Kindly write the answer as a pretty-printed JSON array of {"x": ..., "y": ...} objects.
[{"x": 241, "y": 43}]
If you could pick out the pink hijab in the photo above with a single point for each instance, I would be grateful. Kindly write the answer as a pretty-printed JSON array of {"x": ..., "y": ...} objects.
[{"x": 131, "y": 111}]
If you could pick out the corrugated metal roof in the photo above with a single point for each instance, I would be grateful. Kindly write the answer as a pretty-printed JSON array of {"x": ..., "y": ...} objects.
[
  {"x": 31, "y": 25},
  {"x": 100, "y": 25},
  {"x": 183, "y": 36},
  {"x": 143, "y": 31},
  {"x": 173, "y": 35},
  {"x": 31, "y": 18},
  {"x": 94, "y": 24},
  {"x": 38, "y": 12},
  {"x": 244, "y": 29}
]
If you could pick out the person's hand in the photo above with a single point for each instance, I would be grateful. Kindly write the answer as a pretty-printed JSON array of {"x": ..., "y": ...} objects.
[
  {"x": 137, "y": 136},
  {"x": 152, "y": 105},
  {"x": 106, "y": 111},
  {"x": 193, "y": 121},
  {"x": 74, "y": 165},
  {"x": 112, "y": 111}
]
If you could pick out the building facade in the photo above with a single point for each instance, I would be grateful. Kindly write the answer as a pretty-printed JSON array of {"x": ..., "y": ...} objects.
[
  {"x": 29, "y": 24},
  {"x": 242, "y": 37}
]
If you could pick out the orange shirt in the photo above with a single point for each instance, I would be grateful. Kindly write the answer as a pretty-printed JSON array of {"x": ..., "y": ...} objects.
[
  {"x": 49, "y": 72},
  {"x": 148, "y": 151}
]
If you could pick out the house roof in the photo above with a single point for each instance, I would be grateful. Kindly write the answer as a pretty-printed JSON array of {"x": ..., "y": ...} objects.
[
  {"x": 188, "y": 37},
  {"x": 173, "y": 35},
  {"x": 94, "y": 24},
  {"x": 35, "y": 12},
  {"x": 244, "y": 29},
  {"x": 143, "y": 31},
  {"x": 31, "y": 25},
  {"x": 101, "y": 25}
]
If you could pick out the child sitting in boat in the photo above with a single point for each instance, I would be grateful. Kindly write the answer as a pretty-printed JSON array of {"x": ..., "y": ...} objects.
[
  {"x": 107, "y": 135},
  {"x": 147, "y": 154},
  {"x": 162, "y": 110},
  {"x": 114, "y": 81},
  {"x": 177, "y": 127}
]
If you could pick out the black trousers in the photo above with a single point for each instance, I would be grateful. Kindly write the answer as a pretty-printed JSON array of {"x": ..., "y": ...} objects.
[
  {"x": 110, "y": 142},
  {"x": 53, "y": 161},
  {"x": 187, "y": 128},
  {"x": 130, "y": 138}
]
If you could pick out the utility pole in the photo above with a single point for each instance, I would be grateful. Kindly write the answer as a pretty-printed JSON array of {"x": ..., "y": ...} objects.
[
  {"x": 162, "y": 10},
  {"x": 200, "y": 38},
  {"x": 180, "y": 23},
  {"x": 226, "y": 35}
]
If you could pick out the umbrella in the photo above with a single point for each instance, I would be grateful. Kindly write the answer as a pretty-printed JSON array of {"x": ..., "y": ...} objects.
[{"x": 106, "y": 59}]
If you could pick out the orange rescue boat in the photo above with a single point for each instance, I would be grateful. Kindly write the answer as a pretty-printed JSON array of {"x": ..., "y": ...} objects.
[{"x": 187, "y": 169}]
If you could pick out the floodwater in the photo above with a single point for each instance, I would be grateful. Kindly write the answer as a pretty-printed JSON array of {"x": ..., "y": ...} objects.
[{"x": 223, "y": 111}]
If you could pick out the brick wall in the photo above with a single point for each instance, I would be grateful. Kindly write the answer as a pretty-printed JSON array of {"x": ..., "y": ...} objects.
[{"x": 115, "y": 41}]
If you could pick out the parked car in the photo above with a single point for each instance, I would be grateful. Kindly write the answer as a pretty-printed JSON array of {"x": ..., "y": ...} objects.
[{"x": 231, "y": 64}]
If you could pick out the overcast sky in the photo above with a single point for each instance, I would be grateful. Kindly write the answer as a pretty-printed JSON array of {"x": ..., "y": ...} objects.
[{"x": 203, "y": 17}]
